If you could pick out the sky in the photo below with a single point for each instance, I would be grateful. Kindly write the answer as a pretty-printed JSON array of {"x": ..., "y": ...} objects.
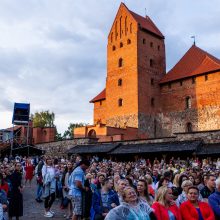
[{"x": 53, "y": 52}]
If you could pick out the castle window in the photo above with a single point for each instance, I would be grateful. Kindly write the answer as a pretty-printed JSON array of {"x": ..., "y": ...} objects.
[
  {"x": 120, "y": 102},
  {"x": 158, "y": 47},
  {"x": 121, "y": 44},
  {"x": 128, "y": 41},
  {"x": 151, "y": 62},
  {"x": 144, "y": 41},
  {"x": 120, "y": 27},
  {"x": 120, "y": 62},
  {"x": 116, "y": 30},
  {"x": 92, "y": 133},
  {"x": 111, "y": 37},
  {"x": 152, "y": 102},
  {"x": 206, "y": 77},
  {"x": 113, "y": 48},
  {"x": 125, "y": 25},
  {"x": 131, "y": 28},
  {"x": 45, "y": 132},
  {"x": 100, "y": 103},
  {"x": 189, "y": 127},
  {"x": 181, "y": 83},
  {"x": 188, "y": 102},
  {"x": 152, "y": 81},
  {"x": 169, "y": 85},
  {"x": 151, "y": 44},
  {"x": 120, "y": 82},
  {"x": 193, "y": 80}
]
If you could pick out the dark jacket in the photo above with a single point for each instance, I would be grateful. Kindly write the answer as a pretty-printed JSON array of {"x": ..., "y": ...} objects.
[
  {"x": 214, "y": 202},
  {"x": 205, "y": 192},
  {"x": 97, "y": 201}
]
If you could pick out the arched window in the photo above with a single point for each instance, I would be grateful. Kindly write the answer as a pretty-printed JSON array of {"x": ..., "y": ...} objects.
[
  {"x": 152, "y": 102},
  {"x": 151, "y": 62},
  {"x": 151, "y": 44},
  {"x": 120, "y": 62},
  {"x": 128, "y": 41},
  {"x": 116, "y": 30},
  {"x": 131, "y": 28},
  {"x": 144, "y": 41},
  {"x": 92, "y": 133},
  {"x": 120, "y": 26},
  {"x": 125, "y": 26},
  {"x": 189, "y": 127},
  {"x": 121, "y": 44},
  {"x": 120, "y": 102},
  {"x": 120, "y": 82},
  {"x": 111, "y": 37},
  {"x": 113, "y": 48},
  {"x": 188, "y": 102}
]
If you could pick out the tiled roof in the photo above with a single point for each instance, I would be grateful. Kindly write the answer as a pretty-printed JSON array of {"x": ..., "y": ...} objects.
[
  {"x": 99, "y": 97},
  {"x": 157, "y": 147},
  {"x": 147, "y": 24},
  {"x": 93, "y": 148},
  {"x": 195, "y": 62}
]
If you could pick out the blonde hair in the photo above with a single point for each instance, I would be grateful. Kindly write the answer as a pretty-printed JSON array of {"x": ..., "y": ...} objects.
[
  {"x": 125, "y": 190},
  {"x": 186, "y": 182},
  {"x": 176, "y": 180},
  {"x": 161, "y": 193}
]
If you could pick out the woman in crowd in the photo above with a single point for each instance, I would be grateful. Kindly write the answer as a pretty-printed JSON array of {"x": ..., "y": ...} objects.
[
  {"x": 164, "y": 207},
  {"x": 182, "y": 178},
  {"x": 66, "y": 196},
  {"x": 131, "y": 208},
  {"x": 49, "y": 188},
  {"x": 29, "y": 172},
  {"x": 142, "y": 191},
  {"x": 195, "y": 210},
  {"x": 15, "y": 194},
  {"x": 104, "y": 200},
  {"x": 163, "y": 182},
  {"x": 3, "y": 184},
  {"x": 183, "y": 196}
]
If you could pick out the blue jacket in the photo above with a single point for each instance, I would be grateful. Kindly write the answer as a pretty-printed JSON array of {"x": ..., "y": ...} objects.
[
  {"x": 214, "y": 202},
  {"x": 97, "y": 207}
]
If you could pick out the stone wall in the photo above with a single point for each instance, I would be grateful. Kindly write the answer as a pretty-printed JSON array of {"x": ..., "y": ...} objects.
[
  {"x": 59, "y": 148},
  {"x": 123, "y": 121}
]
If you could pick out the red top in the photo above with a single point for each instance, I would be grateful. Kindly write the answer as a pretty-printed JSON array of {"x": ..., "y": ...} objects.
[
  {"x": 5, "y": 187},
  {"x": 189, "y": 212},
  {"x": 29, "y": 168},
  {"x": 161, "y": 211}
]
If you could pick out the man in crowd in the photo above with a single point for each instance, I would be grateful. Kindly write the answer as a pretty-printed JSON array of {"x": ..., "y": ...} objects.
[
  {"x": 209, "y": 188},
  {"x": 76, "y": 182},
  {"x": 214, "y": 200}
]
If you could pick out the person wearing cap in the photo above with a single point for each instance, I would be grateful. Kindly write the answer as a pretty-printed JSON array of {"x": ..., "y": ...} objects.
[{"x": 76, "y": 183}]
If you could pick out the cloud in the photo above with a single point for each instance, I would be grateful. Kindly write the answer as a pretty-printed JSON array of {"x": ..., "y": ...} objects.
[{"x": 53, "y": 53}]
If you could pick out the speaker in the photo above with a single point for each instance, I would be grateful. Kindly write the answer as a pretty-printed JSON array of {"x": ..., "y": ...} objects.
[{"x": 21, "y": 113}]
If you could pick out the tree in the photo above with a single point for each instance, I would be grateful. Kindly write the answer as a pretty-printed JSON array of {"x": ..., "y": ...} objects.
[
  {"x": 43, "y": 119},
  {"x": 69, "y": 133}
]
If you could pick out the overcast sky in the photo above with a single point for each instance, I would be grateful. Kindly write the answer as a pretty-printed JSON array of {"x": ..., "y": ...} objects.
[{"x": 53, "y": 52}]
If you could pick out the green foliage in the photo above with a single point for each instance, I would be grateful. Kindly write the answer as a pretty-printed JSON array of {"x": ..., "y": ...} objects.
[
  {"x": 43, "y": 119},
  {"x": 58, "y": 136},
  {"x": 68, "y": 134}
]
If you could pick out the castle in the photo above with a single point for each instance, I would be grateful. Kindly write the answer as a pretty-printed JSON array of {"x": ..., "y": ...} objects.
[{"x": 140, "y": 99}]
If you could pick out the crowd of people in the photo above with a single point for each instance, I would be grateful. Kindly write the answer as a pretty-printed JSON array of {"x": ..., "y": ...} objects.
[{"x": 99, "y": 189}]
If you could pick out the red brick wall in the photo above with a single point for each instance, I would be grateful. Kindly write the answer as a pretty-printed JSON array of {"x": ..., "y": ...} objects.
[
  {"x": 127, "y": 114},
  {"x": 41, "y": 135},
  {"x": 204, "y": 113}
]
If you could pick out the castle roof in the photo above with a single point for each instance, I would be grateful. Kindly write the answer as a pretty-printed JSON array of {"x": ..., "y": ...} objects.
[
  {"x": 195, "y": 62},
  {"x": 99, "y": 97},
  {"x": 147, "y": 24}
]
